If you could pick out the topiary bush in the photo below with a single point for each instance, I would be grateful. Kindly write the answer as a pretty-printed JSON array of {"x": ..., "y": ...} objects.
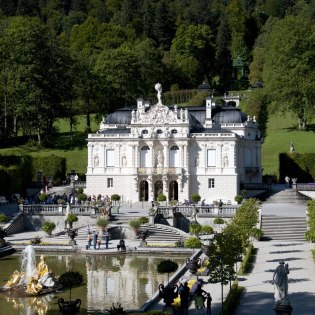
[
  {"x": 218, "y": 220},
  {"x": 193, "y": 242},
  {"x": 70, "y": 279},
  {"x": 143, "y": 220},
  {"x": 207, "y": 229},
  {"x": 48, "y": 227},
  {"x": 3, "y": 218},
  {"x": 71, "y": 218},
  {"x": 161, "y": 198},
  {"x": 195, "y": 228},
  {"x": 195, "y": 198},
  {"x": 167, "y": 266},
  {"x": 134, "y": 224},
  {"x": 238, "y": 198},
  {"x": 102, "y": 223},
  {"x": 43, "y": 197}
]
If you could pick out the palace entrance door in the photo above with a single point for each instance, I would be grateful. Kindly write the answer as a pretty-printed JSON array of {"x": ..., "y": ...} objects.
[
  {"x": 144, "y": 191},
  {"x": 158, "y": 188},
  {"x": 173, "y": 190}
]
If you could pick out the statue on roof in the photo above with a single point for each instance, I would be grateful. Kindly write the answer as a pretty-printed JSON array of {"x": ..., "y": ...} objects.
[{"x": 158, "y": 88}]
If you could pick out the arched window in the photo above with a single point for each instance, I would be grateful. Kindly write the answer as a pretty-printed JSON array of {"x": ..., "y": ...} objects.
[
  {"x": 145, "y": 157},
  {"x": 174, "y": 156},
  {"x": 159, "y": 131}
]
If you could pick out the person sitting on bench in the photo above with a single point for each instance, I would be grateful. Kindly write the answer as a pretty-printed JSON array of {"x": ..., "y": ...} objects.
[{"x": 121, "y": 246}]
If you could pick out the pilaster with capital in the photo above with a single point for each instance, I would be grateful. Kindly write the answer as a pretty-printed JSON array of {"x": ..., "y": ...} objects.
[
  {"x": 150, "y": 183},
  {"x": 152, "y": 155},
  {"x": 166, "y": 154},
  {"x": 165, "y": 183}
]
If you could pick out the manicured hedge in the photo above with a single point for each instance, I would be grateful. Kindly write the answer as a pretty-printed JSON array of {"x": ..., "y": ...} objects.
[
  {"x": 297, "y": 165},
  {"x": 53, "y": 165},
  {"x": 19, "y": 172}
]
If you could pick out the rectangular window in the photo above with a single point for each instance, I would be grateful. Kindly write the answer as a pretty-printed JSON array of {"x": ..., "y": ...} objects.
[
  {"x": 110, "y": 158},
  {"x": 210, "y": 182},
  {"x": 110, "y": 182},
  {"x": 211, "y": 158}
]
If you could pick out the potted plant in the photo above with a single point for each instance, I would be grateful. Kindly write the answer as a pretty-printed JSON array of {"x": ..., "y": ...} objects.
[
  {"x": 82, "y": 198},
  {"x": 70, "y": 279},
  {"x": 3, "y": 217},
  {"x": 102, "y": 223},
  {"x": 218, "y": 221},
  {"x": 238, "y": 199},
  {"x": 195, "y": 228},
  {"x": 167, "y": 266},
  {"x": 43, "y": 197},
  {"x": 114, "y": 199},
  {"x": 71, "y": 218},
  {"x": 195, "y": 198},
  {"x": 48, "y": 227},
  {"x": 135, "y": 225},
  {"x": 143, "y": 220},
  {"x": 207, "y": 229},
  {"x": 161, "y": 198},
  {"x": 193, "y": 242}
]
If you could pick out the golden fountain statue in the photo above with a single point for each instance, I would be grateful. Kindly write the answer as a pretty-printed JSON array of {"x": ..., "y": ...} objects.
[{"x": 32, "y": 280}]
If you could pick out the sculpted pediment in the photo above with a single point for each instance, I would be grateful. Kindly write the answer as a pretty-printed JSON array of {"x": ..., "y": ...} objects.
[{"x": 158, "y": 114}]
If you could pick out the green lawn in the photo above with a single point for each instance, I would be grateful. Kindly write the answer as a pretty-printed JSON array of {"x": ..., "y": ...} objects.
[
  {"x": 74, "y": 151},
  {"x": 281, "y": 130}
]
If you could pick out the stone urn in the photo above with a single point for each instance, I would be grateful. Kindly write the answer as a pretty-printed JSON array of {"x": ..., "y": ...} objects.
[
  {"x": 69, "y": 307},
  {"x": 193, "y": 265},
  {"x": 72, "y": 233},
  {"x": 168, "y": 294}
]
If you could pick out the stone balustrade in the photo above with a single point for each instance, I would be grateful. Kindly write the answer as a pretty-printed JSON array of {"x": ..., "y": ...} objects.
[{"x": 58, "y": 209}]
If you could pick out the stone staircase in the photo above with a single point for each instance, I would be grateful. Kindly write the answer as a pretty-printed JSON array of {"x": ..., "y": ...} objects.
[
  {"x": 277, "y": 224},
  {"x": 158, "y": 234},
  {"x": 283, "y": 228},
  {"x": 287, "y": 196}
]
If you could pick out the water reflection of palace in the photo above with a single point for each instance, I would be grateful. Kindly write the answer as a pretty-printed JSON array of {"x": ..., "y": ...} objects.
[{"x": 129, "y": 280}]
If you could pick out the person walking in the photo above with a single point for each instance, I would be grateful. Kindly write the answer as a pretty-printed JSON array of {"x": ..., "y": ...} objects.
[
  {"x": 106, "y": 238},
  {"x": 88, "y": 229},
  {"x": 95, "y": 237},
  {"x": 200, "y": 296},
  {"x": 184, "y": 298}
]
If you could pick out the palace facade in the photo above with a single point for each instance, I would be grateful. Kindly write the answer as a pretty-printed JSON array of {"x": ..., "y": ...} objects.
[{"x": 144, "y": 151}]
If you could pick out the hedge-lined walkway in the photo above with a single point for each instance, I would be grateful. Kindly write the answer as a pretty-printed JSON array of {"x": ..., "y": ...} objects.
[{"x": 258, "y": 298}]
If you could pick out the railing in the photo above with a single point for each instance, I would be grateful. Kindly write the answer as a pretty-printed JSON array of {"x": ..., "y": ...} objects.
[
  {"x": 305, "y": 186},
  {"x": 41, "y": 208},
  {"x": 159, "y": 170},
  {"x": 225, "y": 211},
  {"x": 58, "y": 209},
  {"x": 79, "y": 183},
  {"x": 257, "y": 186}
]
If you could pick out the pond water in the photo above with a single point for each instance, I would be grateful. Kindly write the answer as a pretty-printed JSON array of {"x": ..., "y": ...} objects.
[{"x": 127, "y": 278}]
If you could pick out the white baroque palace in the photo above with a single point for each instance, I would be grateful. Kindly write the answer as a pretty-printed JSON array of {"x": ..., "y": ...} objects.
[{"x": 142, "y": 152}]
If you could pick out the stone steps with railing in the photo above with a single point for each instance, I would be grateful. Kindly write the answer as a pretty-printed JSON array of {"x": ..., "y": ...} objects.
[{"x": 283, "y": 228}]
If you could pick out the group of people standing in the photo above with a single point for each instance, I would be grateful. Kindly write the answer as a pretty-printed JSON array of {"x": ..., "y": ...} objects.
[
  {"x": 96, "y": 239},
  {"x": 200, "y": 296}
]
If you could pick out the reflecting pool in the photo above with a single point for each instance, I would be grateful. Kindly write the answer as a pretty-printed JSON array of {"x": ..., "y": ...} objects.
[{"x": 126, "y": 278}]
